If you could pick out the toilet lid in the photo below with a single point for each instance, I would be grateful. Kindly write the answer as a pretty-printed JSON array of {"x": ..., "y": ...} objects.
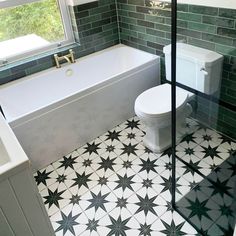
[{"x": 157, "y": 100}]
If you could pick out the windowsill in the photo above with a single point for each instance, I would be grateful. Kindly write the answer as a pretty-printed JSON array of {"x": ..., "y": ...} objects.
[
  {"x": 38, "y": 56},
  {"x": 79, "y": 2}
]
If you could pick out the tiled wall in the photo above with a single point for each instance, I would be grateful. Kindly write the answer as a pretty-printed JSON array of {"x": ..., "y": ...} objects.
[
  {"x": 145, "y": 27},
  {"x": 95, "y": 27},
  {"x": 148, "y": 28}
]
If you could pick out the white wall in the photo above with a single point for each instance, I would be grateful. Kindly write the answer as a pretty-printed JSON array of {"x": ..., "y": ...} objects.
[{"x": 211, "y": 3}]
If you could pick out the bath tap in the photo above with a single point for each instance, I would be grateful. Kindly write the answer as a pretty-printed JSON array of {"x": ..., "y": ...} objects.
[{"x": 69, "y": 58}]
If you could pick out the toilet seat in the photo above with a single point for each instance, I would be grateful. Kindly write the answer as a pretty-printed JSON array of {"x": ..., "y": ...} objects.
[{"x": 156, "y": 101}]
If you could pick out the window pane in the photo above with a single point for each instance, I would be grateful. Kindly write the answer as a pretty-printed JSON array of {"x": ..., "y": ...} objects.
[{"x": 29, "y": 26}]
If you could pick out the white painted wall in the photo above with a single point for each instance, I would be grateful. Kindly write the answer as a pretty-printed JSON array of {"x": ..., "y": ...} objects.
[{"x": 210, "y": 3}]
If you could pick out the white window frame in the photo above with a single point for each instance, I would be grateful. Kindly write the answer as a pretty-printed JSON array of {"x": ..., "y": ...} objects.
[{"x": 68, "y": 32}]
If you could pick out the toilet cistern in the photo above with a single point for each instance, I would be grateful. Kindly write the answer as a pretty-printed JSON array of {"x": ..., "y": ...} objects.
[{"x": 202, "y": 72}]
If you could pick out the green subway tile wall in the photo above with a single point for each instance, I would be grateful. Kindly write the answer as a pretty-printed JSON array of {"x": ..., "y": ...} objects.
[
  {"x": 95, "y": 28},
  {"x": 144, "y": 26}
]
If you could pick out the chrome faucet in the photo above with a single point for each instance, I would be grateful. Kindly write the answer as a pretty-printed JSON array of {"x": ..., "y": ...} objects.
[{"x": 69, "y": 58}]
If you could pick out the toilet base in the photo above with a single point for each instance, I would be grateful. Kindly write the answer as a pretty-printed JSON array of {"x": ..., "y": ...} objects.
[{"x": 158, "y": 139}]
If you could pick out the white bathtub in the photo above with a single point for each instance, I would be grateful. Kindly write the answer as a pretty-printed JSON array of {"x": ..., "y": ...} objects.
[{"x": 55, "y": 111}]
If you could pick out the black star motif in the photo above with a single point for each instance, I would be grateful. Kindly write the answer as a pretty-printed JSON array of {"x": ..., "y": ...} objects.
[
  {"x": 67, "y": 162},
  {"x": 53, "y": 198},
  {"x": 121, "y": 202},
  {"x": 41, "y": 177},
  {"x": 173, "y": 229},
  {"x": 87, "y": 163},
  {"x": 127, "y": 164},
  {"x": 226, "y": 211},
  {"x": 189, "y": 151},
  {"x": 146, "y": 204},
  {"x": 110, "y": 148},
  {"x": 98, "y": 201},
  {"x": 207, "y": 137},
  {"x": 198, "y": 208},
  {"x": 167, "y": 152},
  {"x": 213, "y": 166},
  {"x": 219, "y": 187},
  {"x": 67, "y": 223},
  {"x": 75, "y": 199},
  {"x": 81, "y": 180},
  {"x": 188, "y": 138},
  {"x": 148, "y": 165},
  {"x": 145, "y": 230},
  {"x": 129, "y": 149},
  {"x": 106, "y": 163},
  {"x": 132, "y": 124},
  {"x": 227, "y": 232},
  {"x": 191, "y": 168},
  {"x": 113, "y": 135},
  {"x": 168, "y": 166},
  {"x": 226, "y": 139},
  {"x": 61, "y": 178},
  {"x": 147, "y": 150},
  {"x": 102, "y": 180},
  {"x": 118, "y": 227},
  {"x": 147, "y": 183},
  {"x": 166, "y": 184},
  {"x": 130, "y": 136},
  {"x": 232, "y": 168},
  {"x": 92, "y": 225},
  {"x": 212, "y": 152},
  {"x": 92, "y": 148},
  {"x": 125, "y": 182},
  {"x": 193, "y": 185}
]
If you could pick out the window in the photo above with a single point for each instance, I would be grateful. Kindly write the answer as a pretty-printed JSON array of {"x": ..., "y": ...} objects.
[{"x": 29, "y": 27}]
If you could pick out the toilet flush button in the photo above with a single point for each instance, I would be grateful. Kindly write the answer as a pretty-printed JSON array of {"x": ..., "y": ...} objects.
[{"x": 203, "y": 70}]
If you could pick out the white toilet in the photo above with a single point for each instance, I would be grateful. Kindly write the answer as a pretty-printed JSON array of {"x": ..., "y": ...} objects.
[{"x": 197, "y": 68}]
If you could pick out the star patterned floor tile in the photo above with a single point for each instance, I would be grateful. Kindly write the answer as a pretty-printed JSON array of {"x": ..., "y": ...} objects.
[
  {"x": 45, "y": 177},
  {"x": 114, "y": 185}
]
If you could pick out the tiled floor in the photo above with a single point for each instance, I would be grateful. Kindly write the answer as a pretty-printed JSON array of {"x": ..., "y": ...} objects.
[{"x": 115, "y": 186}]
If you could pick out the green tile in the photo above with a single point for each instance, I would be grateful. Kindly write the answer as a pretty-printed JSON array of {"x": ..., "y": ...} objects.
[
  {"x": 228, "y": 13},
  {"x": 90, "y": 19},
  {"x": 129, "y": 32},
  {"x": 226, "y": 50},
  {"x": 155, "y": 32},
  {"x": 203, "y": 10},
  {"x": 147, "y": 37},
  {"x": 127, "y": 7},
  {"x": 163, "y": 27},
  {"x": 182, "y": 7},
  {"x": 145, "y": 23},
  {"x": 136, "y": 2},
  {"x": 122, "y": 13},
  {"x": 155, "y": 19},
  {"x": 202, "y": 27},
  {"x": 188, "y": 32},
  {"x": 138, "y": 28},
  {"x": 189, "y": 16},
  {"x": 129, "y": 20},
  {"x": 217, "y": 39},
  {"x": 99, "y": 10},
  {"x": 4, "y": 73},
  {"x": 213, "y": 20},
  {"x": 226, "y": 32},
  {"x": 201, "y": 43},
  {"x": 136, "y": 15}
]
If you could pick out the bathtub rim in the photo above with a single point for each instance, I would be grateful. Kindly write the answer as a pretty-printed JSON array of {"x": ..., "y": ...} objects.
[{"x": 82, "y": 93}]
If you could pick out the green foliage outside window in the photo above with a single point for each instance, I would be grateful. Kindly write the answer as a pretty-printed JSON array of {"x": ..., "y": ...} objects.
[{"x": 40, "y": 18}]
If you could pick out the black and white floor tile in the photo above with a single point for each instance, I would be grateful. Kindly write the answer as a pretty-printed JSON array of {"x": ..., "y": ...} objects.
[{"x": 114, "y": 185}]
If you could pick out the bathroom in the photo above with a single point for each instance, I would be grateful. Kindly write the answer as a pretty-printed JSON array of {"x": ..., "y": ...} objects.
[{"x": 85, "y": 149}]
